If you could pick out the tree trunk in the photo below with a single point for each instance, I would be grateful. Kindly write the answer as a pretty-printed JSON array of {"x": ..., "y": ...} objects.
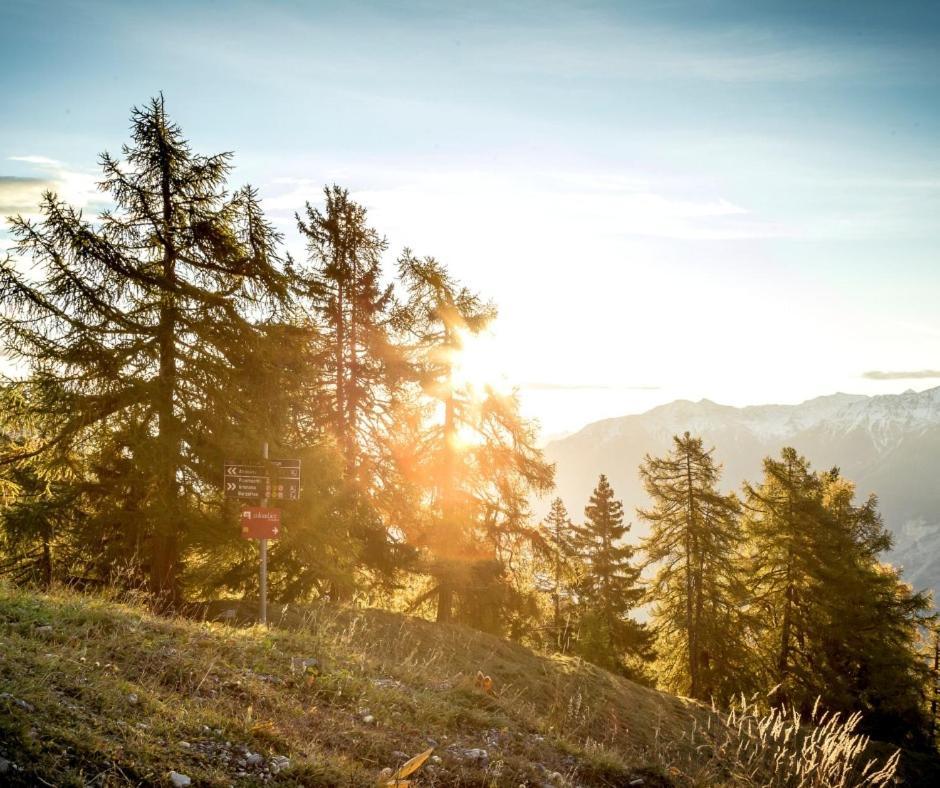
[
  {"x": 690, "y": 624},
  {"x": 164, "y": 564},
  {"x": 445, "y": 602}
]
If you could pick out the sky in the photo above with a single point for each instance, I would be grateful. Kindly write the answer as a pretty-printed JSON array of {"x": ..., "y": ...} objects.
[{"x": 727, "y": 200}]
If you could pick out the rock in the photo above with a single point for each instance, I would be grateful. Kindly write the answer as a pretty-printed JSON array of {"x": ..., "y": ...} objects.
[
  {"x": 179, "y": 780},
  {"x": 254, "y": 758},
  {"x": 431, "y": 742},
  {"x": 476, "y": 755},
  {"x": 637, "y": 781},
  {"x": 45, "y": 629},
  {"x": 132, "y": 699},
  {"x": 398, "y": 755},
  {"x": 436, "y": 759},
  {"x": 279, "y": 763},
  {"x": 17, "y": 702},
  {"x": 303, "y": 664},
  {"x": 4, "y": 766},
  {"x": 185, "y": 745},
  {"x": 368, "y": 719}
]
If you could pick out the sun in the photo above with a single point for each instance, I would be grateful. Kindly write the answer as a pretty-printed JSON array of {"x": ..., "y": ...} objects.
[{"x": 478, "y": 365}]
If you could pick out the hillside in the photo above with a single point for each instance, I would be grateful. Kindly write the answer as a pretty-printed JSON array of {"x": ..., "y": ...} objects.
[
  {"x": 97, "y": 692},
  {"x": 889, "y": 445}
]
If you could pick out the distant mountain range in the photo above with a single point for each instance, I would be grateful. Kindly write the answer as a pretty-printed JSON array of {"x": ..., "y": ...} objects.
[{"x": 889, "y": 445}]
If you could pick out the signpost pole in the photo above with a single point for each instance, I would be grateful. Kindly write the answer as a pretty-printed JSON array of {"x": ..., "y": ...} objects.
[{"x": 264, "y": 559}]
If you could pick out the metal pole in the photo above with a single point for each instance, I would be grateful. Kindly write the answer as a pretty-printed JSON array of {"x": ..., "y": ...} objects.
[{"x": 264, "y": 554}]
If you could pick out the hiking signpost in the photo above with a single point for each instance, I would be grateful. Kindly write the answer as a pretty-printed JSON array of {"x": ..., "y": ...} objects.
[{"x": 277, "y": 480}]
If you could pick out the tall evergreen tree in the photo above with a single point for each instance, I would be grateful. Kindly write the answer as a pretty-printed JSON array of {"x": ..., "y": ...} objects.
[
  {"x": 695, "y": 541},
  {"x": 363, "y": 368},
  {"x": 609, "y": 588},
  {"x": 344, "y": 289},
  {"x": 788, "y": 545},
  {"x": 832, "y": 622},
  {"x": 561, "y": 554},
  {"x": 135, "y": 318},
  {"x": 478, "y": 460}
]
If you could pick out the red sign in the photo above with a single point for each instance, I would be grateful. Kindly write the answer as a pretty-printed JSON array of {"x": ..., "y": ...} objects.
[{"x": 259, "y": 522}]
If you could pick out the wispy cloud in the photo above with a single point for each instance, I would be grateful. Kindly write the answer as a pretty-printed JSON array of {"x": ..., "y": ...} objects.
[
  {"x": 583, "y": 205},
  {"x": 22, "y": 194},
  {"x": 918, "y": 374}
]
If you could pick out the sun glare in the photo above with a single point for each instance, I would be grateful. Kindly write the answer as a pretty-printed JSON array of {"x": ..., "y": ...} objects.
[{"x": 478, "y": 365}]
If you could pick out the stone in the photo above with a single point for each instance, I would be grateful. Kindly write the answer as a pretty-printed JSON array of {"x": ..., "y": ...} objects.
[
  {"x": 185, "y": 745},
  {"x": 132, "y": 699},
  {"x": 4, "y": 766},
  {"x": 279, "y": 763},
  {"x": 398, "y": 755},
  {"x": 254, "y": 758},
  {"x": 368, "y": 719},
  {"x": 436, "y": 759},
  {"x": 179, "y": 780}
]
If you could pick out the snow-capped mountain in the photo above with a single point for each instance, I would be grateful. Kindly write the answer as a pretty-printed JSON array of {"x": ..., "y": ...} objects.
[{"x": 889, "y": 445}]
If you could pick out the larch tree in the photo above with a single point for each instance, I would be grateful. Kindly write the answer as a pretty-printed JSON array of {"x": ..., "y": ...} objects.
[
  {"x": 831, "y": 621},
  {"x": 128, "y": 323},
  {"x": 345, "y": 297},
  {"x": 609, "y": 588},
  {"x": 694, "y": 543},
  {"x": 476, "y": 456},
  {"x": 787, "y": 545}
]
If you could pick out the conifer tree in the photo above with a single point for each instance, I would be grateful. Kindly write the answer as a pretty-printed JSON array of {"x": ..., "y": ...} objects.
[
  {"x": 353, "y": 310},
  {"x": 694, "y": 541},
  {"x": 609, "y": 588},
  {"x": 134, "y": 319},
  {"x": 478, "y": 459},
  {"x": 344, "y": 290},
  {"x": 788, "y": 544},
  {"x": 831, "y": 621},
  {"x": 561, "y": 555}
]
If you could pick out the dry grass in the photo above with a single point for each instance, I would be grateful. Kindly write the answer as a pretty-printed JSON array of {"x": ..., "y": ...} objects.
[
  {"x": 116, "y": 695},
  {"x": 752, "y": 745}
]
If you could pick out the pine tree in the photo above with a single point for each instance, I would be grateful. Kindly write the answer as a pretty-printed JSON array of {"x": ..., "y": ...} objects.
[
  {"x": 136, "y": 318},
  {"x": 561, "y": 557},
  {"x": 788, "y": 544},
  {"x": 831, "y": 622},
  {"x": 344, "y": 290},
  {"x": 694, "y": 541},
  {"x": 478, "y": 460},
  {"x": 354, "y": 312},
  {"x": 609, "y": 588}
]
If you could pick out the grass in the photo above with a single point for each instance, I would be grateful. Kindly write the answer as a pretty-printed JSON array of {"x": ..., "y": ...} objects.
[{"x": 104, "y": 692}]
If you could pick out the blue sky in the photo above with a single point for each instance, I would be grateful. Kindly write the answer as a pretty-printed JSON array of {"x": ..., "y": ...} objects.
[{"x": 736, "y": 201}]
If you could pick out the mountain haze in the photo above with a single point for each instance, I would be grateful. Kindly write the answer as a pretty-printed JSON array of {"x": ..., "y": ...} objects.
[{"x": 887, "y": 444}]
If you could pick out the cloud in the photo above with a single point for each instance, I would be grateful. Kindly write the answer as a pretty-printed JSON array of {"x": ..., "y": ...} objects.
[
  {"x": 21, "y": 194},
  {"x": 42, "y": 161},
  {"x": 918, "y": 374}
]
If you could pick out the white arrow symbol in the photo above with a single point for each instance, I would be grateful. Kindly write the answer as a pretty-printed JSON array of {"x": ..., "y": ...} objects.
[{"x": 230, "y": 485}]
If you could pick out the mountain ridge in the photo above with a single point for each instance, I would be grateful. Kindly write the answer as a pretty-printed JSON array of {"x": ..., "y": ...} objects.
[{"x": 889, "y": 444}]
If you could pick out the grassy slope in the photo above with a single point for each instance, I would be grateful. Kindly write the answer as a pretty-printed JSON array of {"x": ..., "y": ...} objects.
[{"x": 208, "y": 693}]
